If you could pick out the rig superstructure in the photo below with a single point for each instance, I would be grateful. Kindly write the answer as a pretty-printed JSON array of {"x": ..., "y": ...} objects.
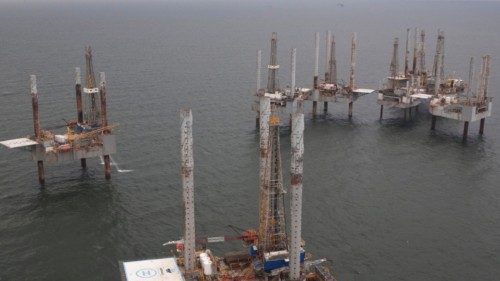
[
  {"x": 87, "y": 136},
  {"x": 447, "y": 96},
  {"x": 271, "y": 253},
  {"x": 326, "y": 90},
  {"x": 466, "y": 106},
  {"x": 282, "y": 99},
  {"x": 330, "y": 89}
]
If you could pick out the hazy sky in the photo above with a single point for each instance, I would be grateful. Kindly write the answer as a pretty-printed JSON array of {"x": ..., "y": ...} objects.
[{"x": 159, "y": 1}]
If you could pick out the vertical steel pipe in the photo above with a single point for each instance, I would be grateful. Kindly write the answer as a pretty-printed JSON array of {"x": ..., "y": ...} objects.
[
  {"x": 78, "y": 90},
  {"x": 259, "y": 67},
  {"x": 264, "y": 168},
  {"x": 407, "y": 52},
  {"x": 187, "y": 177},
  {"x": 104, "y": 121},
  {"x": 466, "y": 131},
  {"x": 353, "y": 61},
  {"x": 316, "y": 72},
  {"x": 79, "y": 110},
  {"x": 297, "y": 139},
  {"x": 293, "y": 59},
  {"x": 34, "y": 103},
  {"x": 36, "y": 126}
]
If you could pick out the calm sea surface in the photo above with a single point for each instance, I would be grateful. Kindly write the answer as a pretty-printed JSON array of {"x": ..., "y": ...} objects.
[{"x": 382, "y": 200}]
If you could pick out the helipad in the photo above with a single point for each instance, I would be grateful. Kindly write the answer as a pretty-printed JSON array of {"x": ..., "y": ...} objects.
[{"x": 151, "y": 270}]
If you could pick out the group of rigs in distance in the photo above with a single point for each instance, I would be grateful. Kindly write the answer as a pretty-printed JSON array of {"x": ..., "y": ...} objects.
[{"x": 446, "y": 96}]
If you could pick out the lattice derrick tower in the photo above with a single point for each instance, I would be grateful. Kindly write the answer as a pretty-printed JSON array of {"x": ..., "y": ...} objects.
[{"x": 91, "y": 92}]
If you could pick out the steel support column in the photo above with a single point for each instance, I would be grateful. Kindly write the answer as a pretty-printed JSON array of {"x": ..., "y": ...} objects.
[
  {"x": 187, "y": 177},
  {"x": 36, "y": 126},
  {"x": 79, "y": 110},
  {"x": 466, "y": 131},
  {"x": 297, "y": 139},
  {"x": 481, "y": 126}
]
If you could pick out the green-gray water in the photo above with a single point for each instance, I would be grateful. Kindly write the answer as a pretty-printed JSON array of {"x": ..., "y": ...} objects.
[{"x": 383, "y": 201}]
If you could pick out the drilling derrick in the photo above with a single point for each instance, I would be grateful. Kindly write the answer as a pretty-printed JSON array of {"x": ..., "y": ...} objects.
[
  {"x": 272, "y": 229},
  {"x": 332, "y": 63},
  {"x": 394, "y": 68},
  {"x": 92, "y": 110},
  {"x": 438, "y": 69},
  {"x": 272, "y": 80}
]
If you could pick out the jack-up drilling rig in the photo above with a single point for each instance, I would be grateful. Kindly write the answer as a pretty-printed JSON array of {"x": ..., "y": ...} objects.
[
  {"x": 87, "y": 136},
  {"x": 330, "y": 89},
  {"x": 271, "y": 253},
  {"x": 282, "y": 99}
]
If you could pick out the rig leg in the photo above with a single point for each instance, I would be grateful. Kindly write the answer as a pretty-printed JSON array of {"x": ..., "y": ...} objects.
[
  {"x": 107, "y": 167},
  {"x": 481, "y": 126},
  {"x": 466, "y": 131},
  {"x": 350, "y": 109},
  {"x": 416, "y": 108},
  {"x": 381, "y": 111},
  {"x": 83, "y": 162},
  {"x": 325, "y": 107},
  {"x": 409, "y": 110},
  {"x": 315, "y": 108},
  {"x": 41, "y": 173},
  {"x": 433, "y": 123},
  {"x": 404, "y": 112}
]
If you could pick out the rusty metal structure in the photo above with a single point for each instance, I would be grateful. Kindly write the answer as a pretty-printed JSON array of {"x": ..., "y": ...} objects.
[
  {"x": 283, "y": 100},
  {"x": 447, "y": 96},
  {"x": 187, "y": 165},
  {"x": 406, "y": 89},
  {"x": 466, "y": 106},
  {"x": 324, "y": 90},
  {"x": 88, "y": 136},
  {"x": 272, "y": 253},
  {"x": 330, "y": 89},
  {"x": 409, "y": 88}
]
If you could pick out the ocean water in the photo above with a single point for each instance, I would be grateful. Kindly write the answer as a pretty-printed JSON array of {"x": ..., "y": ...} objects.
[{"x": 386, "y": 200}]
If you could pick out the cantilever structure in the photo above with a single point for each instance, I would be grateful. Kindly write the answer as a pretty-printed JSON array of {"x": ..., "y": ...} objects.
[{"x": 87, "y": 136}]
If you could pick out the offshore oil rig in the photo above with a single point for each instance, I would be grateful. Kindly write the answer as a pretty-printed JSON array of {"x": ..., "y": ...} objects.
[
  {"x": 283, "y": 100},
  {"x": 324, "y": 90},
  {"x": 466, "y": 106},
  {"x": 270, "y": 252},
  {"x": 89, "y": 135},
  {"x": 447, "y": 96},
  {"x": 406, "y": 89},
  {"x": 330, "y": 89}
]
